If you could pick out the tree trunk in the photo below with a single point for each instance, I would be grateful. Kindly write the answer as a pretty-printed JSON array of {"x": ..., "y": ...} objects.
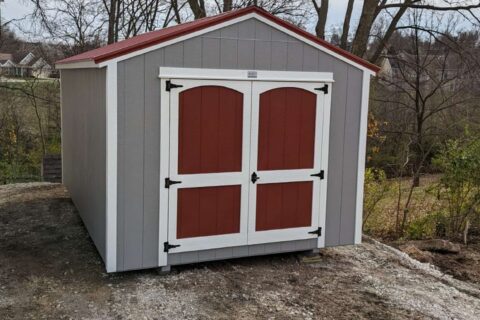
[
  {"x": 111, "y": 21},
  {"x": 322, "y": 13},
  {"x": 388, "y": 34},
  {"x": 227, "y": 5},
  {"x": 198, "y": 8},
  {"x": 176, "y": 11},
  {"x": 360, "y": 42},
  {"x": 346, "y": 25}
]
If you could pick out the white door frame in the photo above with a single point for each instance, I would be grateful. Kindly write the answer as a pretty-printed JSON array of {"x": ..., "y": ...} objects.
[
  {"x": 208, "y": 179},
  {"x": 294, "y": 175},
  {"x": 167, "y": 73}
]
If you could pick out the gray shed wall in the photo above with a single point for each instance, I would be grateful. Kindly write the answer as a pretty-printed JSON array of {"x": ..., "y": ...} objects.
[
  {"x": 84, "y": 147},
  {"x": 249, "y": 44}
]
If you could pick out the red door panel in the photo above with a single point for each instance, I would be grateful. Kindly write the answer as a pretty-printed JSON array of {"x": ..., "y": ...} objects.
[
  {"x": 286, "y": 129},
  {"x": 284, "y": 205},
  {"x": 210, "y": 130},
  {"x": 208, "y": 211}
]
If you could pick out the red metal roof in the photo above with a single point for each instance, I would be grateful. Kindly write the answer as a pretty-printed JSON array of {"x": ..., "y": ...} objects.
[{"x": 155, "y": 37}]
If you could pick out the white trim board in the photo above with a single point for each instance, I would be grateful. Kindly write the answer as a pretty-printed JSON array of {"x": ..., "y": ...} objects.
[
  {"x": 362, "y": 150},
  {"x": 244, "y": 75},
  {"x": 111, "y": 164},
  {"x": 164, "y": 173},
  {"x": 77, "y": 65},
  {"x": 91, "y": 64}
]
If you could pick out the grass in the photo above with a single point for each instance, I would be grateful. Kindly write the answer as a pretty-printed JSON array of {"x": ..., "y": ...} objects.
[{"x": 423, "y": 206}]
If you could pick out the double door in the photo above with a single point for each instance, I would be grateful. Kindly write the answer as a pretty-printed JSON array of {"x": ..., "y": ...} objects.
[{"x": 245, "y": 163}]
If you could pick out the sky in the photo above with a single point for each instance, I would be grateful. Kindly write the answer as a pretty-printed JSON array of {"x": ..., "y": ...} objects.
[{"x": 17, "y": 9}]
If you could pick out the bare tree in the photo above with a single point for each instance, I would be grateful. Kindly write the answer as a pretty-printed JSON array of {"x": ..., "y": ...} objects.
[
  {"x": 322, "y": 13},
  {"x": 198, "y": 8},
  {"x": 425, "y": 81},
  {"x": 74, "y": 22},
  {"x": 346, "y": 25},
  {"x": 372, "y": 9}
]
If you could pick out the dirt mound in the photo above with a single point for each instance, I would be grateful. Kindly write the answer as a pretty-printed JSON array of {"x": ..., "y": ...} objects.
[
  {"x": 50, "y": 269},
  {"x": 460, "y": 261}
]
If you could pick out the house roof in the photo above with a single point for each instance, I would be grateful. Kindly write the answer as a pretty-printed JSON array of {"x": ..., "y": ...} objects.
[
  {"x": 5, "y": 56},
  {"x": 156, "y": 37}
]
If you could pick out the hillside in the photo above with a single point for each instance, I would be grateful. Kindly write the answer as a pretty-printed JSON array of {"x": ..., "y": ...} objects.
[{"x": 50, "y": 269}]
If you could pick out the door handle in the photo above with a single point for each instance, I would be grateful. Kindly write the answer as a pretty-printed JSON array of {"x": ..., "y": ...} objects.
[{"x": 255, "y": 177}]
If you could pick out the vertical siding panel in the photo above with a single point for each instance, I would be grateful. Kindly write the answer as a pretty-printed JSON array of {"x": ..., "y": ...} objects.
[
  {"x": 174, "y": 55},
  {"x": 263, "y": 31},
  {"x": 211, "y": 53},
  {"x": 263, "y": 46},
  {"x": 151, "y": 170},
  {"x": 84, "y": 152},
  {"x": 263, "y": 52},
  {"x": 295, "y": 56},
  {"x": 246, "y": 29},
  {"x": 310, "y": 58},
  {"x": 350, "y": 156},
  {"x": 192, "y": 53},
  {"x": 213, "y": 34},
  {"x": 326, "y": 62},
  {"x": 121, "y": 153},
  {"x": 230, "y": 32},
  {"x": 280, "y": 36},
  {"x": 246, "y": 54},
  {"x": 279, "y": 55},
  {"x": 335, "y": 162},
  {"x": 134, "y": 161},
  {"x": 228, "y": 53}
]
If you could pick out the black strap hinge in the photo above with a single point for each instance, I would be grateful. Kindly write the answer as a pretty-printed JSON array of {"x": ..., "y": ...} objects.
[
  {"x": 171, "y": 86},
  {"x": 321, "y": 175},
  {"x": 324, "y": 89},
  {"x": 169, "y": 182},
  {"x": 318, "y": 232},
  {"x": 167, "y": 246}
]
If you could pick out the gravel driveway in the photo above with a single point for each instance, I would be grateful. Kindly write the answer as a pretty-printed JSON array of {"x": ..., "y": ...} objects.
[{"x": 49, "y": 269}]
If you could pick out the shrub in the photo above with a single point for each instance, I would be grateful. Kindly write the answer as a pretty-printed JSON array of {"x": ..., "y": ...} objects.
[
  {"x": 459, "y": 186},
  {"x": 376, "y": 188}
]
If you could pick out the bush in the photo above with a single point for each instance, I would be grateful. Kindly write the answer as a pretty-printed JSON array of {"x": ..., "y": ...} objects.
[
  {"x": 459, "y": 186},
  {"x": 376, "y": 188}
]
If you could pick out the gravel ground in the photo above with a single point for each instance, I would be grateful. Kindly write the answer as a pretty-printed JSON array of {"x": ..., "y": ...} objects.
[{"x": 49, "y": 269}]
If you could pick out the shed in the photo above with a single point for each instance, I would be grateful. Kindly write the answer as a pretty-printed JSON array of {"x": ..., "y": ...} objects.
[{"x": 231, "y": 136}]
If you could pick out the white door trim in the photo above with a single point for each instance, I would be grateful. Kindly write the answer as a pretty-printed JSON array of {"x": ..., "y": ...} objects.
[
  {"x": 285, "y": 176},
  {"x": 327, "y": 105},
  {"x": 245, "y": 75},
  {"x": 209, "y": 179},
  {"x": 164, "y": 167},
  {"x": 165, "y": 145}
]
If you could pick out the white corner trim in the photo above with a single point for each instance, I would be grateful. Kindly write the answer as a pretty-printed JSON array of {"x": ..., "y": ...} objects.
[
  {"x": 362, "y": 150},
  {"x": 111, "y": 183},
  {"x": 244, "y": 75},
  {"x": 77, "y": 65}
]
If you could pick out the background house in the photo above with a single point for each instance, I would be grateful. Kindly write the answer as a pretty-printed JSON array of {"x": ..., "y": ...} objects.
[{"x": 28, "y": 66}]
